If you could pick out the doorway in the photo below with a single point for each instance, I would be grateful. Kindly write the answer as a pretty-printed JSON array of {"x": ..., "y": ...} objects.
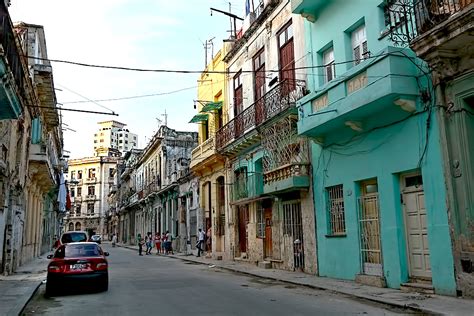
[
  {"x": 416, "y": 231},
  {"x": 243, "y": 211}
]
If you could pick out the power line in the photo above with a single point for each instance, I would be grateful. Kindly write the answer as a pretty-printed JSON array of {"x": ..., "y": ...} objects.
[
  {"x": 180, "y": 71},
  {"x": 73, "y": 110},
  {"x": 89, "y": 100}
]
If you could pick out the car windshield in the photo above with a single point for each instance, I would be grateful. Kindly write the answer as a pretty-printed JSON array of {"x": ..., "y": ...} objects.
[
  {"x": 73, "y": 237},
  {"x": 68, "y": 251}
]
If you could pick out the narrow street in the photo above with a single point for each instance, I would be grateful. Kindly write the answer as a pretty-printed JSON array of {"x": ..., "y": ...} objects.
[{"x": 156, "y": 284}]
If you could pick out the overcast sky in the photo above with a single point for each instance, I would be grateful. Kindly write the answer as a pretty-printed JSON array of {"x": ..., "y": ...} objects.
[{"x": 156, "y": 34}]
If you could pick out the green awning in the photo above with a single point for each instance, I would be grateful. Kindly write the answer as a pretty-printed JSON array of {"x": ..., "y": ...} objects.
[
  {"x": 199, "y": 118},
  {"x": 211, "y": 106}
]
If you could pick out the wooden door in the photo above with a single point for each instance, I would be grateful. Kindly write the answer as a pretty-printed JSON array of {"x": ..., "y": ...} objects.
[
  {"x": 287, "y": 67},
  {"x": 268, "y": 232},
  {"x": 243, "y": 221}
]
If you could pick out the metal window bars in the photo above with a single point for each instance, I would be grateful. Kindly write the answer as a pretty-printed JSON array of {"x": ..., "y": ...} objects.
[
  {"x": 293, "y": 227},
  {"x": 337, "y": 222},
  {"x": 370, "y": 243}
]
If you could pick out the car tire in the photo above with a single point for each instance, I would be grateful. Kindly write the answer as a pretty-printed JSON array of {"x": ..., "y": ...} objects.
[
  {"x": 104, "y": 286},
  {"x": 50, "y": 290}
]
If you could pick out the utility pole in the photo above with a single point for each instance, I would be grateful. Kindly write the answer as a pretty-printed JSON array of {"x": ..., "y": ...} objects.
[{"x": 233, "y": 16}]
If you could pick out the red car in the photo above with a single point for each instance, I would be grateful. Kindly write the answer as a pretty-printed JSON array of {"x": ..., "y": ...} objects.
[{"x": 75, "y": 265}]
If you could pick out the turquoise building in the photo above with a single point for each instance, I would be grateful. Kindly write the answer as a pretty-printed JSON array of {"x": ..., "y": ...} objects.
[{"x": 379, "y": 187}]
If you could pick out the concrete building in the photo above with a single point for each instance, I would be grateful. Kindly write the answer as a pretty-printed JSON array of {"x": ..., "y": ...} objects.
[
  {"x": 151, "y": 202},
  {"x": 90, "y": 181},
  {"x": 269, "y": 208},
  {"x": 207, "y": 164},
  {"x": 30, "y": 146},
  {"x": 113, "y": 135},
  {"x": 442, "y": 35},
  {"x": 378, "y": 176}
]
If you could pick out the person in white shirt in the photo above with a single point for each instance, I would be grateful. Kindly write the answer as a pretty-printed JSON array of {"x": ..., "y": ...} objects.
[{"x": 201, "y": 238}]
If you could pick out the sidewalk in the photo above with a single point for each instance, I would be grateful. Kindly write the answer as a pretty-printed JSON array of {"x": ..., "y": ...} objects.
[
  {"x": 433, "y": 304},
  {"x": 17, "y": 289}
]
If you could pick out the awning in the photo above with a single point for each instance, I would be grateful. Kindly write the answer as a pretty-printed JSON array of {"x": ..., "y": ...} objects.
[
  {"x": 211, "y": 106},
  {"x": 199, "y": 118}
]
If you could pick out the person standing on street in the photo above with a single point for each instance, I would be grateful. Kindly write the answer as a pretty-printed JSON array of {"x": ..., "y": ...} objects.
[
  {"x": 140, "y": 244},
  {"x": 201, "y": 237},
  {"x": 158, "y": 242},
  {"x": 114, "y": 240}
]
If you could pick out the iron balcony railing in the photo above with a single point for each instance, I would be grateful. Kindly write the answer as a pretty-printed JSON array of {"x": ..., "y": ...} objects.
[
  {"x": 11, "y": 51},
  {"x": 248, "y": 186},
  {"x": 408, "y": 19},
  {"x": 275, "y": 101}
]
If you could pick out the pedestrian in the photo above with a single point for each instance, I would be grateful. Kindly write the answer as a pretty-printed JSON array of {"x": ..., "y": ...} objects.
[
  {"x": 163, "y": 243},
  {"x": 55, "y": 243},
  {"x": 114, "y": 239},
  {"x": 169, "y": 239},
  {"x": 149, "y": 243},
  {"x": 209, "y": 240},
  {"x": 158, "y": 242},
  {"x": 140, "y": 244},
  {"x": 201, "y": 238}
]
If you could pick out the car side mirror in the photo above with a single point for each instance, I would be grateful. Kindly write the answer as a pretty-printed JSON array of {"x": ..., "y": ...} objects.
[
  {"x": 49, "y": 256},
  {"x": 106, "y": 254}
]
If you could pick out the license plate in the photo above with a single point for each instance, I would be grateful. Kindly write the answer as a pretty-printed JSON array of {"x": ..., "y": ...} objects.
[{"x": 78, "y": 266}]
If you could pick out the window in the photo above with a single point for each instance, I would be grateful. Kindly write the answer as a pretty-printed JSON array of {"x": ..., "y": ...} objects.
[
  {"x": 335, "y": 205},
  {"x": 126, "y": 135},
  {"x": 238, "y": 99},
  {"x": 120, "y": 141},
  {"x": 134, "y": 137},
  {"x": 287, "y": 58},
  {"x": 259, "y": 70},
  {"x": 359, "y": 45},
  {"x": 79, "y": 191},
  {"x": 79, "y": 174},
  {"x": 111, "y": 172},
  {"x": 95, "y": 141},
  {"x": 72, "y": 192},
  {"x": 90, "y": 208},
  {"x": 260, "y": 222},
  {"x": 329, "y": 66},
  {"x": 285, "y": 35},
  {"x": 78, "y": 210},
  {"x": 91, "y": 173},
  {"x": 73, "y": 175},
  {"x": 126, "y": 142},
  {"x": 101, "y": 140},
  {"x": 91, "y": 190}
]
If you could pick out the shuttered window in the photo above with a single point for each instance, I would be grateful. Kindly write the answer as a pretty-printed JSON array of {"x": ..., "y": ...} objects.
[
  {"x": 329, "y": 66},
  {"x": 359, "y": 44}
]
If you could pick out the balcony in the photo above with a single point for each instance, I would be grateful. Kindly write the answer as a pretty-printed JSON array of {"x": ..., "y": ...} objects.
[
  {"x": 205, "y": 155},
  {"x": 77, "y": 199},
  {"x": 293, "y": 176},
  {"x": 273, "y": 103},
  {"x": 41, "y": 166},
  {"x": 429, "y": 22},
  {"x": 90, "y": 197},
  {"x": 376, "y": 92},
  {"x": 247, "y": 187},
  {"x": 90, "y": 180},
  {"x": 11, "y": 69},
  {"x": 308, "y": 9}
]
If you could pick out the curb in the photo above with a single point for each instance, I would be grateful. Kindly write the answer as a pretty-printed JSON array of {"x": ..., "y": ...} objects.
[
  {"x": 383, "y": 301},
  {"x": 22, "y": 308}
]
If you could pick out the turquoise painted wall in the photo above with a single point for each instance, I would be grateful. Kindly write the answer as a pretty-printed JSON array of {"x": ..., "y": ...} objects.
[{"x": 384, "y": 154}]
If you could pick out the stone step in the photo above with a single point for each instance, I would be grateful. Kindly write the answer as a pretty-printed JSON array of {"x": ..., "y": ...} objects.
[
  {"x": 417, "y": 287},
  {"x": 265, "y": 264}
]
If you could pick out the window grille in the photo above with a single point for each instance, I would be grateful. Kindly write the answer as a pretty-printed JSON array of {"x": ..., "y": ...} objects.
[
  {"x": 293, "y": 227},
  {"x": 260, "y": 222},
  {"x": 329, "y": 65},
  {"x": 337, "y": 222},
  {"x": 359, "y": 45}
]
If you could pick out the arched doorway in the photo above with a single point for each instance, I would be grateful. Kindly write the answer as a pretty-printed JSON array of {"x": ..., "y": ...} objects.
[
  {"x": 71, "y": 227},
  {"x": 78, "y": 226}
]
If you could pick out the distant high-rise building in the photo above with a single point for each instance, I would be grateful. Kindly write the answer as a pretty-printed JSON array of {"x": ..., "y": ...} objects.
[{"x": 113, "y": 136}]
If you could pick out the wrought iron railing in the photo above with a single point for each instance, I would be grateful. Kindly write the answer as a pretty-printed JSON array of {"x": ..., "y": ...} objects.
[
  {"x": 11, "y": 50},
  {"x": 247, "y": 186},
  {"x": 277, "y": 100},
  {"x": 407, "y": 19}
]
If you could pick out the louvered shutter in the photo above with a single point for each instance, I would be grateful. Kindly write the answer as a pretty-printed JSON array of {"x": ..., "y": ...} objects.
[
  {"x": 365, "y": 52},
  {"x": 356, "y": 55}
]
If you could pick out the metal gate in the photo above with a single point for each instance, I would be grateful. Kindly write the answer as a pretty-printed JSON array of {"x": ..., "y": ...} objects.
[
  {"x": 370, "y": 245},
  {"x": 293, "y": 227}
]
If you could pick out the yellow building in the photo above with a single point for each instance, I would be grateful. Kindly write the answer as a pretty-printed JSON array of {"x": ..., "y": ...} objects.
[{"x": 206, "y": 162}]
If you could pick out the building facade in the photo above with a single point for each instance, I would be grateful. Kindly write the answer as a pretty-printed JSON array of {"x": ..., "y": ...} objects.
[
  {"x": 30, "y": 146},
  {"x": 441, "y": 34},
  {"x": 90, "y": 181},
  {"x": 113, "y": 136},
  {"x": 269, "y": 213},
  {"x": 153, "y": 187},
  {"x": 377, "y": 162},
  {"x": 206, "y": 163}
]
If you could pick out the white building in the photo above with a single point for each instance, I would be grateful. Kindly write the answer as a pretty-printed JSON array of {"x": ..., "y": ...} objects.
[{"x": 113, "y": 135}]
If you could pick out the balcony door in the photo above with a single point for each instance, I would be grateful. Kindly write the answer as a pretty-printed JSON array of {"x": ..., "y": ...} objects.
[
  {"x": 287, "y": 59},
  {"x": 259, "y": 88},
  {"x": 238, "y": 105}
]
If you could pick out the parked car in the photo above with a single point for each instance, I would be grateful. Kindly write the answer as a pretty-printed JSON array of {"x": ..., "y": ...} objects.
[
  {"x": 77, "y": 265},
  {"x": 96, "y": 238},
  {"x": 74, "y": 236}
]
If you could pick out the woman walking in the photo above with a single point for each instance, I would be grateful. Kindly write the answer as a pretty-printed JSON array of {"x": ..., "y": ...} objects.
[
  {"x": 158, "y": 243},
  {"x": 140, "y": 244},
  {"x": 149, "y": 243}
]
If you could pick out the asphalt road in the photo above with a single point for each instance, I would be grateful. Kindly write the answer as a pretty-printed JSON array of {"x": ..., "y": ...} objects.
[{"x": 157, "y": 285}]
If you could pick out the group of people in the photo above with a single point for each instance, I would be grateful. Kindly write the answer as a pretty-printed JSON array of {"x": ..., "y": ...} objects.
[{"x": 162, "y": 242}]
